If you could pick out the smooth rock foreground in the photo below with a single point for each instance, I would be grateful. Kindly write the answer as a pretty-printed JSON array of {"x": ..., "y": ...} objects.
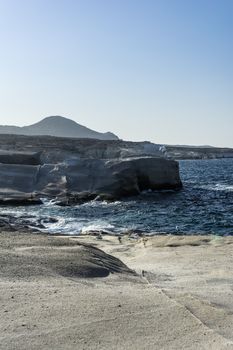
[
  {"x": 67, "y": 173},
  {"x": 26, "y": 256}
]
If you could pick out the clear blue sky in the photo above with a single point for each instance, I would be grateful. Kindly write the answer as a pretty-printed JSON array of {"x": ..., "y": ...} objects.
[{"x": 159, "y": 70}]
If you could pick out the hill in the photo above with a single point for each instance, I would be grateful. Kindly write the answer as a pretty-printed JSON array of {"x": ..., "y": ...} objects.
[{"x": 57, "y": 126}]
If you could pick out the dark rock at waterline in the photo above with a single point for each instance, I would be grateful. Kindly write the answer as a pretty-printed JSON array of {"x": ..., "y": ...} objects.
[
  {"x": 25, "y": 223},
  {"x": 21, "y": 201}
]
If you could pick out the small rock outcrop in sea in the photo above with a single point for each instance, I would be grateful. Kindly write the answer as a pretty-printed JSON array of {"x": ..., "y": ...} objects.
[{"x": 73, "y": 170}]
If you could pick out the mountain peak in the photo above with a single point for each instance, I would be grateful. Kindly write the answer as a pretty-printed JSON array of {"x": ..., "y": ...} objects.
[{"x": 54, "y": 119}]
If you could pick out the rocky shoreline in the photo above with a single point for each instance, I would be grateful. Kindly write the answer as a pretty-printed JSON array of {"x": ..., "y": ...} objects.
[
  {"x": 196, "y": 152},
  {"x": 28, "y": 223}
]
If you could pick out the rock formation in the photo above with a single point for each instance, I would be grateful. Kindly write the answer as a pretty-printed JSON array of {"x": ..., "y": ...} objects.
[
  {"x": 197, "y": 152},
  {"x": 72, "y": 170}
]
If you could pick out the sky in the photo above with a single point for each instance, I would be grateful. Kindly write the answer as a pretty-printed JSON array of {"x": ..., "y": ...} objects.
[{"x": 157, "y": 70}]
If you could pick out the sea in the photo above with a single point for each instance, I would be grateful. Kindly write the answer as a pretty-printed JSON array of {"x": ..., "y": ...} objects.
[{"x": 203, "y": 206}]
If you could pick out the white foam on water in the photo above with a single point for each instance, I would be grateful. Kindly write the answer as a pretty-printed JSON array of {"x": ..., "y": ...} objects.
[
  {"x": 48, "y": 202},
  {"x": 99, "y": 225},
  {"x": 95, "y": 203},
  {"x": 216, "y": 187},
  {"x": 17, "y": 212},
  {"x": 71, "y": 226},
  {"x": 65, "y": 226},
  {"x": 222, "y": 187}
]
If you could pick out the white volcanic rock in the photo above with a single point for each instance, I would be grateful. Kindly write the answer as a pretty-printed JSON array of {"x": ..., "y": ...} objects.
[
  {"x": 17, "y": 182},
  {"x": 76, "y": 170},
  {"x": 89, "y": 178},
  {"x": 56, "y": 150}
]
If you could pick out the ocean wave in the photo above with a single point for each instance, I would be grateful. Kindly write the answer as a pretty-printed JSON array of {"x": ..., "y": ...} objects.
[
  {"x": 71, "y": 226},
  {"x": 99, "y": 226},
  {"x": 216, "y": 187},
  {"x": 223, "y": 187},
  {"x": 95, "y": 203}
]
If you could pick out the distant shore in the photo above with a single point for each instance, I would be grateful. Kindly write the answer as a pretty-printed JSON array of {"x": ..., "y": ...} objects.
[{"x": 81, "y": 292}]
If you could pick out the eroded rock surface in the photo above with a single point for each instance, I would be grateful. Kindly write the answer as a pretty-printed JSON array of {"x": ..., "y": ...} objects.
[
  {"x": 28, "y": 256},
  {"x": 73, "y": 170}
]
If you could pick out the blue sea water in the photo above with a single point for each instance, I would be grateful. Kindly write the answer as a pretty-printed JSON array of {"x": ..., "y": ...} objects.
[{"x": 203, "y": 206}]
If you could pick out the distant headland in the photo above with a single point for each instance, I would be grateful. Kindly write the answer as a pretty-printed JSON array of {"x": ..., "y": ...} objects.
[{"x": 57, "y": 126}]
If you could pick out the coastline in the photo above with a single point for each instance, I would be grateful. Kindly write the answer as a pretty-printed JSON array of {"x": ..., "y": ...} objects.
[{"x": 179, "y": 298}]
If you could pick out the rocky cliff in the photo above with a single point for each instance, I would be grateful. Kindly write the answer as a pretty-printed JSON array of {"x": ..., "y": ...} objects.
[{"x": 72, "y": 170}]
